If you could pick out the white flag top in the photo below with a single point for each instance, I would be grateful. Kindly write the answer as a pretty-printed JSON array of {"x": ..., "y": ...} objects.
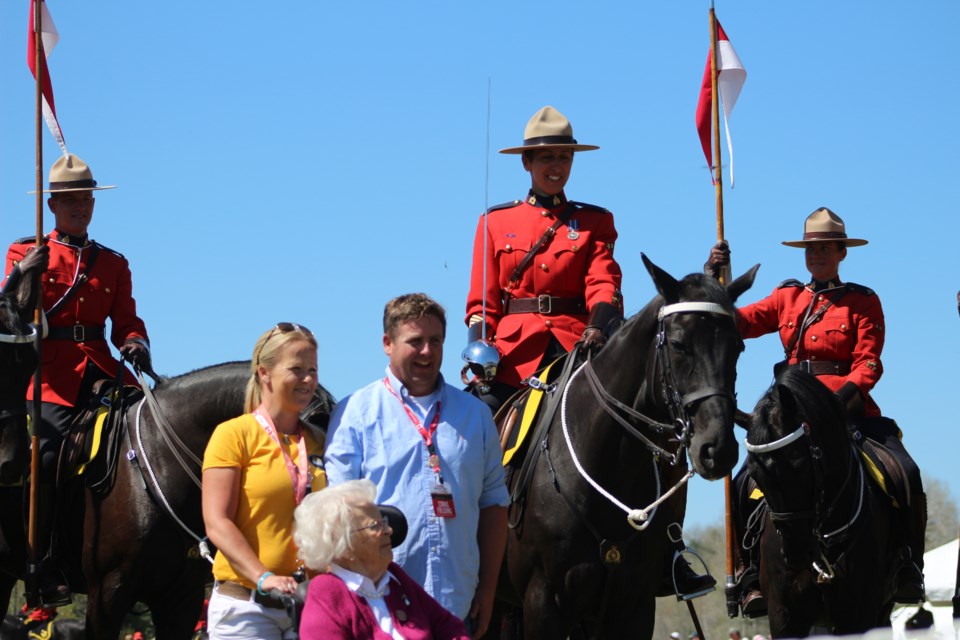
[
  {"x": 730, "y": 78},
  {"x": 48, "y": 38}
]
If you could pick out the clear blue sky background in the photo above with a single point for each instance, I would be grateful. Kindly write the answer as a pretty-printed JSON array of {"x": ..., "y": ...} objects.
[{"x": 308, "y": 162}]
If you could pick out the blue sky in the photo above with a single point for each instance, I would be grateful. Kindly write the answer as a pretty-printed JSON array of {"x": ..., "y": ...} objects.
[{"x": 308, "y": 162}]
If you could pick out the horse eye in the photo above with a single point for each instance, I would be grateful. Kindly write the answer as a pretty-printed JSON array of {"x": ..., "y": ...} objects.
[{"x": 678, "y": 346}]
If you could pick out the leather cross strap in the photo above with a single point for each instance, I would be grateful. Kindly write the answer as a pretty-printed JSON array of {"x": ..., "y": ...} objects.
[
  {"x": 80, "y": 279},
  {"x": 535, "y": 249},
  {"x": 809, "y": 319}
]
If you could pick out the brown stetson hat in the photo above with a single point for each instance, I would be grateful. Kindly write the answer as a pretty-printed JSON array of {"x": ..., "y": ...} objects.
[
  {"x": 70, "y": 173},
  {"x": 824, "y": 225},
  {"x": 549, "y": 129}
]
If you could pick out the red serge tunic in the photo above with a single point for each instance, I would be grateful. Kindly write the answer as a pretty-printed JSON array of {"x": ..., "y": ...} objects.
[
  {"x": 106, "y": 293},
  {"x": 851, "y": 331},
  {"x": 576, "y": 263}
]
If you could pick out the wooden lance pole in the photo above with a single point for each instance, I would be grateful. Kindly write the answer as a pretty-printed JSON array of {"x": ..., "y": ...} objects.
[
  {"x": 732, "y": 607},
  {"x": 38, "y": 312}
]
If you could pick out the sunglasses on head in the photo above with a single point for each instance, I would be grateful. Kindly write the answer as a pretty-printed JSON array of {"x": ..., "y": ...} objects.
[{"x": 282, "y": 327}]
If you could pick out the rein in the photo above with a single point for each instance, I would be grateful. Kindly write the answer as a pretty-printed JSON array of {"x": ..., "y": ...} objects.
[
  {"x": 21, "y": 338},
  {"x": 640, "y": 519}
]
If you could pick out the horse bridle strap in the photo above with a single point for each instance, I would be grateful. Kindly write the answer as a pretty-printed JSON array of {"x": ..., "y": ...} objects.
[
  {"x": 693, "y": 307},
  {"x": 777, "y": 444}
]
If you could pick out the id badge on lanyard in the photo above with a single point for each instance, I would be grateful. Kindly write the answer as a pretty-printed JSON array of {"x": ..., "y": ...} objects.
[{"x": 440, "y": 495}]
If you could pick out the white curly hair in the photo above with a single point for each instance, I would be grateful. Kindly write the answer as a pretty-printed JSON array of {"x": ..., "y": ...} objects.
[{"x": 322, "y": 522}]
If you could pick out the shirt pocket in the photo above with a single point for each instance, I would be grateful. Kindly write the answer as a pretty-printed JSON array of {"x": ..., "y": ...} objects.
[
  {"x": 509, "y": 255},
  {"x": 98, "y": 294},
  {"x": 840, "y": 337}
]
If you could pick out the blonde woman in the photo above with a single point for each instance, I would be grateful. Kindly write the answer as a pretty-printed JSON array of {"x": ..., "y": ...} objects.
[{"x": 257, "y": 468}]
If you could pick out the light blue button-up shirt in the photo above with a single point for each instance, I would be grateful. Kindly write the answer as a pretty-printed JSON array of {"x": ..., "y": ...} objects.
[{"x": 371, "y": 436}]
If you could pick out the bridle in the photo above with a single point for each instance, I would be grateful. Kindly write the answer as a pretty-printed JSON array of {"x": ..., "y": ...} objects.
[
  {"x": 820, "y": 511},
  {"x": 625, "y": 415}
]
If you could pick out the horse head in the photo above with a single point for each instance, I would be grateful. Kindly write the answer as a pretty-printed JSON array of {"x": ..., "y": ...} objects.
[
  {"x": 18, "y": 359},
  {"x": 797, "y": 430},
  {"x": 697, "y": 347}
]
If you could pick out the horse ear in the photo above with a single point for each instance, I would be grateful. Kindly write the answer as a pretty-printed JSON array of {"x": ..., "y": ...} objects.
[
  {"x": 741, "y": 284},
  {"x": 788, "y": 402},
  {"x": 667, "y": 285}
]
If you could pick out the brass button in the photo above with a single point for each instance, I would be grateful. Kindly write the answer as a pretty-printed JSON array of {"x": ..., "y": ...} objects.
[
  {"x": 790, "y": 324},
  {"x": 843, "y": 327},
  {"x": 544, "y": 213},
  {"x": 573, "y": 248},
  {"x": 813, "y": 338},
  {"x": 52, "y": 280},
  {"x": 508, "y": 248},
  {"x": 107, "y": 289},
  {"x": 543, "y": 266},
  {"x": 548, "y": 323},
  {"x": 81, "y": 298}
]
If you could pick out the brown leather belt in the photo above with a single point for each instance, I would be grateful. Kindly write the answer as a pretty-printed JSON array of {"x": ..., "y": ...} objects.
[
  {"x": 823, "y": 367},
  {"x": 547, "y": 305},
  {"x": 77, "y": 333},
  {"x": 240, "y": 592}
]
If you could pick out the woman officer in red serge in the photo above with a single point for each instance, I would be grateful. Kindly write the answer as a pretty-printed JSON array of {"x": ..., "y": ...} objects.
[
  {"x": 835, "y": 331},
  {"x": 551, "y": 281},
  {"x": 545, "y": 290}
]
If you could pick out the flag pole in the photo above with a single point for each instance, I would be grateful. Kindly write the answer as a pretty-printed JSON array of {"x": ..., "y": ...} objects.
[
  {"x": 732, "y": 607},
  {"x": 32, "y": 568}
]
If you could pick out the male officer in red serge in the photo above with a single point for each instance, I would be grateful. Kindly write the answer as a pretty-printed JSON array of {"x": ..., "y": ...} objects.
[
  {"x": 551, "y": 279},
  {"x": 84, "y": 284},
  {"x": 568, "y": 289}
]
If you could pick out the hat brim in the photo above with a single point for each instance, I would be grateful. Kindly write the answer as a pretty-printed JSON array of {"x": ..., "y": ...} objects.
[
  {"x": 112, "y": 186},
  {"x": 849, "y": 242},
  {"x": 533, "y": 147}
]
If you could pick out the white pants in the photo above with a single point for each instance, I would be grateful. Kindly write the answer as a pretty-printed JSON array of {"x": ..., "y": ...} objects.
[{"x": 229, "y": 618}]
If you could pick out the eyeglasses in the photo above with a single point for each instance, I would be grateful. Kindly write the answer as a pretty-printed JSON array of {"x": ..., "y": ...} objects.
[
  {"x": 377, "y": 527},
  {"x": 282, "y": 327}
]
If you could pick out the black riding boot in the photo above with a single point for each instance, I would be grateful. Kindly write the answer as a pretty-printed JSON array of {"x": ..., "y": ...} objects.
[
  {"x": 910, "y": 587},
  {"x": 746, "y": 588},
  {"x": 53, "y": 588}
]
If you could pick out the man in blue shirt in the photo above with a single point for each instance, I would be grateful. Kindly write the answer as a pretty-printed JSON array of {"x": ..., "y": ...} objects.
[{"x": 433, "y": 452}]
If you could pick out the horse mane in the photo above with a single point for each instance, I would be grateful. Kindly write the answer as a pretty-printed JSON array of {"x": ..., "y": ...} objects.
[
  {"x": 9, "y": 316},
  {"x": 203, "y": 373},
  {"x": 816, "y": 405}
]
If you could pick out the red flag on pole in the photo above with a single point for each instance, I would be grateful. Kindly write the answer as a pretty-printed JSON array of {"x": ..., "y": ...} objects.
[
  {"x": 48, "y": 40},
  {"x": 730, "y": 78}
]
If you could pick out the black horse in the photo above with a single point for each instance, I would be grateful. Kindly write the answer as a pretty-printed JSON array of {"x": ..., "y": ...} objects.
[
  {"x": 136, "y": 538},
  {"x": 828, "y": 547},
  {"x": 580, "y": 550}
]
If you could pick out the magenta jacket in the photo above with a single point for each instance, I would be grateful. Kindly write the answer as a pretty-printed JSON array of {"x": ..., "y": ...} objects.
[{"x": 333, "y": 611}]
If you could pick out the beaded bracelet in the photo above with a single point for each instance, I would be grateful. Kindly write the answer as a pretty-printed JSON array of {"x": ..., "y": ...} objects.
[{"x": 266, "y": 574}]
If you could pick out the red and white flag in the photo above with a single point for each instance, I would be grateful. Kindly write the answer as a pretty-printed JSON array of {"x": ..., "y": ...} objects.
[
  {"x": 730, "y": 78},
  {"x": 48, "y": 40}
]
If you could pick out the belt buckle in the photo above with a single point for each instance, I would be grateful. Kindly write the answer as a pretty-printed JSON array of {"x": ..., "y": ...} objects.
[
  {"x": 79, "y": 333},
  {"x": 540, "y": 305}
]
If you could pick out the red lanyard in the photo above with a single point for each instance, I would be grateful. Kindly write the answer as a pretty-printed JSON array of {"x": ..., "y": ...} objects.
[
  {"x": 425, "y": 433},
  {"x": 298, "y": 473}
]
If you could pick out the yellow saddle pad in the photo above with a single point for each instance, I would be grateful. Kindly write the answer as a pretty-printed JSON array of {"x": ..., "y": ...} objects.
[{"x": 530, "y": 411}]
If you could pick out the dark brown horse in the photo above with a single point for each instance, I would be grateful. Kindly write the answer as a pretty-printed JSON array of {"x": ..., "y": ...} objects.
[
  {"x": 588, "y": 541},
  {"x": 136, "y": 536},
  {"x": 828, "y": 547}
]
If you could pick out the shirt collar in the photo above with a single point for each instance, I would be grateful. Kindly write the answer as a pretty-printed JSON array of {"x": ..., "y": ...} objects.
[
  {"x": 361, "y": 584},
  {"x": 76, "y": 241},
  {"x": 818, "y": 286},
  {"x": 546, "y": 202},
  {"x": 401, "y": 388}
]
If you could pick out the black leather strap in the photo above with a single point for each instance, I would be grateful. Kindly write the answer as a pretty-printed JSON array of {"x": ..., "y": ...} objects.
[
  {"x": 546, "y": 305},
  {"x": 77, "y": 333}
]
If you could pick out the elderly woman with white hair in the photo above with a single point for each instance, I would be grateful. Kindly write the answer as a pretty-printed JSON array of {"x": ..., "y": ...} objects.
[{"x": 360, "y": 592}]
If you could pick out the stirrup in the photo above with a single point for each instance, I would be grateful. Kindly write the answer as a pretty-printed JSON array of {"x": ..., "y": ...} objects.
[{"x": 709, "y": 583}]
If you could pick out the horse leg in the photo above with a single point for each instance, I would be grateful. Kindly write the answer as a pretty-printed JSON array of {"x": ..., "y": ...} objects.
[
  {"x": 630, "y": 622},
  {"x": 108, "y": 601},
  {"x": 175, "y": 614},
  {"x": 542, "y": 617}
]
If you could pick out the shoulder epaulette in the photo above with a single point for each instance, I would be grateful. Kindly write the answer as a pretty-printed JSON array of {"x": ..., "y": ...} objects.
[
  {"x": 116, "y": 253},
  {"x": 25, "y": 240},
  {"x": 505, "y": 205},
  {"x": 791, "y": 282},
  {"x": 583, "y": 206},
  {"x": 859, "y": 288}
]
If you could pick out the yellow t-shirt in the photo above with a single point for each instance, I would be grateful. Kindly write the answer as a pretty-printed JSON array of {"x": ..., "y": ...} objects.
[{"x": 266, "y": 504}]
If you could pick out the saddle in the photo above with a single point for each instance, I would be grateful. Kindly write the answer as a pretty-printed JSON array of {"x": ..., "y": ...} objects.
[
  {"x": 91, "y": 445},
  {"x": 524, "y": 407},
  {"x": 886, "y": 472}
]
